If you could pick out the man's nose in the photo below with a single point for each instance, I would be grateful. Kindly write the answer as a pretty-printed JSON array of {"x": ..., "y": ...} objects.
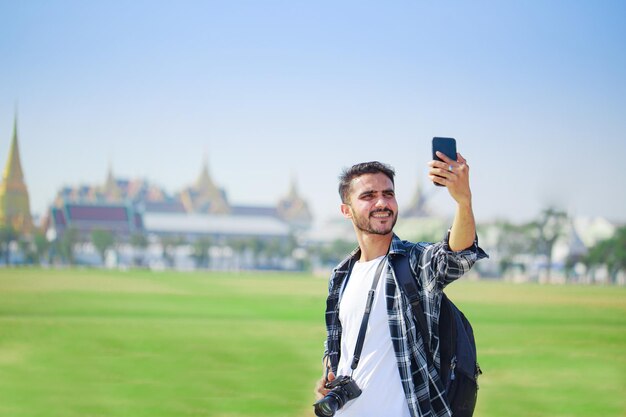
[{"x": 381, "y": 202}]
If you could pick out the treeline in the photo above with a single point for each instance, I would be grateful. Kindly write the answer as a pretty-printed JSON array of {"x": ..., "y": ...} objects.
[
  {"x": 519, "y": 245},
  {"x": 37, "y": 248}
]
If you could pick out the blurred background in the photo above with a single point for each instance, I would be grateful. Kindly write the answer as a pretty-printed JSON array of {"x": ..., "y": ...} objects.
[{"x": 224, "y": 126}]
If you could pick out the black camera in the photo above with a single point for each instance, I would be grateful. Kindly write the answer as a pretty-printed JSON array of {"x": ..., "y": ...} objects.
[{"x": 342, "y": 390}]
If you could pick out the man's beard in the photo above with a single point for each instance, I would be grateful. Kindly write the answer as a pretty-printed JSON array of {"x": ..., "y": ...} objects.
[{"x": 365, "y": 224}]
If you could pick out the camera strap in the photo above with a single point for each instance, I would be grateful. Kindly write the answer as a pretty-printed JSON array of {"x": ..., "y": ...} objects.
[{"x": 366, "y": 316}]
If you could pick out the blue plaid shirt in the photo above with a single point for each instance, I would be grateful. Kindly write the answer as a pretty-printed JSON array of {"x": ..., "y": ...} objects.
[{"x": 434, "y": 266}]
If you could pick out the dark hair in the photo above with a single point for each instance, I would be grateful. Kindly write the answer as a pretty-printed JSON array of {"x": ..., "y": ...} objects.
[{"x": 348, "y": 174}]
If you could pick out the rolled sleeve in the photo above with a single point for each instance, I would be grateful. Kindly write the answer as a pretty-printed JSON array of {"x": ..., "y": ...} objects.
[
  {"x": 440, "y": 265},
  {"x": 453, "y": 264}
]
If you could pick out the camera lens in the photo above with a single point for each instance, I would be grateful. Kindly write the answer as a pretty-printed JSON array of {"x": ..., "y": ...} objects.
[{"x": 326, "y": 407}]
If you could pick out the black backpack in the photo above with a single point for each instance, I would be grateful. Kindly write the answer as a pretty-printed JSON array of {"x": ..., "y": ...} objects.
[{"x": 457, "y": 348}]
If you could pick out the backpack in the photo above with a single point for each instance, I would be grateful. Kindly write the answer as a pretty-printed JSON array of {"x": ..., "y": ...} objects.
[{"x": 459, "y": 367}]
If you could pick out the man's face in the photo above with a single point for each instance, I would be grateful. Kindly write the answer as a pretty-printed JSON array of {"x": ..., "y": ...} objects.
[{"x": 372, "y": 204}]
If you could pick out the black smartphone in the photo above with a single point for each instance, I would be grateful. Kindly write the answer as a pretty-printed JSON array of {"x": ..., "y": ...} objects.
[{"x": 447, "y": 146}]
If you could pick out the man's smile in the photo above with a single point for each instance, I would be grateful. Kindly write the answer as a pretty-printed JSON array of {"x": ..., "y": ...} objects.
[{"x": 382, "y": 214}]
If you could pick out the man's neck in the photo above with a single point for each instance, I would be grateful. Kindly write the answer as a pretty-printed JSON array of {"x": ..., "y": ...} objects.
[{"x": 373, "y": 246}]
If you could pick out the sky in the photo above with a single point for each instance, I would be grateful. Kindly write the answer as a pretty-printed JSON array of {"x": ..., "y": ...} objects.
[{"x": 266, "y": 91}]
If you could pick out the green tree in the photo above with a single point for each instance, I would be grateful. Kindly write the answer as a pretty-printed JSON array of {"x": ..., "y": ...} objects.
[
  {"x": 200, "y": 253},
  {"x": 42, "y": 246},
  {"x": 103, "y": 240},
  {"x": 27, "y": 248},
  {"x": 274, "y": 248},
  {"x": 550, "y": 226},
  {"x": 238, "y": 245},
  {"x": 7, "y": 235},
  {"x": 257, "y": 246},
  {"x": 513, "y": 240},
  {"x": 68, "y": 243},
  {"x": 333, "y": 253},
  {"x": 139, "y": 242},
  {"x": 168, "y": 245},
  {"x": 610, "y": 253}
]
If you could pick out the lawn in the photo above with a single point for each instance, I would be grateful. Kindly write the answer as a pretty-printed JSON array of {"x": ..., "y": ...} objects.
[{"x": 80, "y": 343}]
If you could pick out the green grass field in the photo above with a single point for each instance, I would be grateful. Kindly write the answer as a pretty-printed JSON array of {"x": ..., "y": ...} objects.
[{"x": 81, "y": 343}]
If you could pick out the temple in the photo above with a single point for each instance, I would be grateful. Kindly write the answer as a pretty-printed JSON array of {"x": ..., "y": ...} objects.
[
  {"x": 14, "y": 200},
  {"x": 127, "y": 207}
]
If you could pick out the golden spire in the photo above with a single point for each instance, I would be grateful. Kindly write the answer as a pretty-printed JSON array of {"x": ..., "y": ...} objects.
[
  {"x": 13, "y": 169},
  {"x": 111, "y": 189},
  {"x": 204, "y": 181},
  {"x": 14, "y": 201}
]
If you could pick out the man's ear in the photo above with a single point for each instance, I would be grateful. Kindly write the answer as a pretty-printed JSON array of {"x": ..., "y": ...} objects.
[{"x": 346, "y": 211}]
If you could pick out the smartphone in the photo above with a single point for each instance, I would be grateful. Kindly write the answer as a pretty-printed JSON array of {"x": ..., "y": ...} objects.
[{"x": 447, "y": 146}]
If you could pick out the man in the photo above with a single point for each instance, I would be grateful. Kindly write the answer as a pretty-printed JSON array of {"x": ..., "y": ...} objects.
[{"x": 395, "y": 378}]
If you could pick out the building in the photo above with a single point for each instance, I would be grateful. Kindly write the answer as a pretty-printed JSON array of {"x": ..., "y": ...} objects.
[
  {"x": 202, "y": 209},
  {"x": 122, "y": 221},
  {"x": 14, "y": 200}
]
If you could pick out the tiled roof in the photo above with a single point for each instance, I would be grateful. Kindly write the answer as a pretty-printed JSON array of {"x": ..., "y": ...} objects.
[
  {"x": 87, "y": 217},
  {"x": 98, "y": 213}
]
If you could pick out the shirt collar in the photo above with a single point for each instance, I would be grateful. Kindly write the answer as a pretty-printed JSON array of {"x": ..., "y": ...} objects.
[{"x": 398, "y": 247}]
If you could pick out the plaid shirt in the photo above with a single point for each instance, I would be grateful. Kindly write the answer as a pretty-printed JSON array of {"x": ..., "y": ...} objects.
[{"x": 434, "y": 266}]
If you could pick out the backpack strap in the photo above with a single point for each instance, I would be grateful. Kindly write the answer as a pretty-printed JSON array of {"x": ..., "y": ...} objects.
[{"x": 408, "y": 285}]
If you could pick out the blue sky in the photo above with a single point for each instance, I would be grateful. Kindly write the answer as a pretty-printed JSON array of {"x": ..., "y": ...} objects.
[{"x": 533, "y": 91}]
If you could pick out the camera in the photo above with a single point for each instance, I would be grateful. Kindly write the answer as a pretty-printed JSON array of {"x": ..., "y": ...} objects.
[{"x": 342, "y": 390}]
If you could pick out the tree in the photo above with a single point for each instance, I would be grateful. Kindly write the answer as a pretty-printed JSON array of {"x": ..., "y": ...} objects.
[
  {"x": 42, "y": 245},
  {"x": 257, "y": 246},
  {"x": 609, "y": 252},
  {"x": 168, "y": 245},
  {"x": 200, "y": 253},
  {"x": 7, "y": 235},
  {"x": 68, "y": 242},
  {"x": 238, "y": 245},
  {"x": 139, "y": 242},
  {"x": 549, "y": 227},
  {"x": 102, "y": 240},
  {"x": 27, "y": 248},
  {"x": 333, "y": 253},
  {"x": 513, "y": 240}
]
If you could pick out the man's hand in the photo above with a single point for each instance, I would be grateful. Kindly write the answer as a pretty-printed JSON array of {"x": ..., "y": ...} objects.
[
  {"x": 454, "y": 175},
  {"x": 320, "y": 388}
]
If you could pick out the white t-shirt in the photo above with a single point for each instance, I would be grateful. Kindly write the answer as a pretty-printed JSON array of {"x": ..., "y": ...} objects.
[{"x": 377, "y": 373}]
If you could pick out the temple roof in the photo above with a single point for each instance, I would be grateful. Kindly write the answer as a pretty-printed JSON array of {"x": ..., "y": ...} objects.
[
  {"x": 13, "y": 169},
  {"x": 204, "y": 196},
  {"x": 14, "y": 200},
  {"x": 293, "y": 208},
  {"x": 87, "y": 217},
  {"x": 111, "y": 187}
]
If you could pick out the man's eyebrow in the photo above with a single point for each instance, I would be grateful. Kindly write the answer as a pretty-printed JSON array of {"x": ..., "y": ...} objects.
[{"x": 370, "y": 192}]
